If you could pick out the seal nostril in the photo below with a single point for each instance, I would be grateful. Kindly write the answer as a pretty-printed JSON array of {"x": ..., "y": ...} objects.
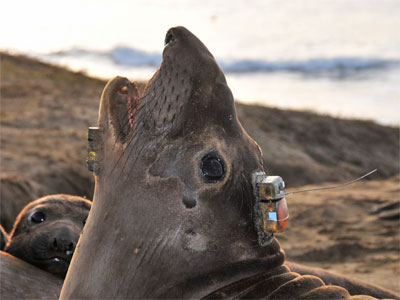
[
  {"x": 55, "y": 245},
  {"x": 70, "y": 249},
  {"x": 169, "y": 38},
  {"x": 189, "y": 202},
  {"x": 70, "y": 246}
]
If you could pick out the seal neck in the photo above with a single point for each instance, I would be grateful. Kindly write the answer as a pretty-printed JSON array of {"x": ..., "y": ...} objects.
[{"x": 207, "y": 284}]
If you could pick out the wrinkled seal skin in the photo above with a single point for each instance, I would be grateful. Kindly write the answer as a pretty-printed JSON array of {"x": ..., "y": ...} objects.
[
  {"x": 20, "y": 280},
  {"x": 47, "y": 230},
  {"x": 159, "y": 226},
  {"x": 353, "y": 286}
]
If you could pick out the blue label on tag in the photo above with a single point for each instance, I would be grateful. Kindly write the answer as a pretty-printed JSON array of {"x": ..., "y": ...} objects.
[{"x": 272, "y": 216}]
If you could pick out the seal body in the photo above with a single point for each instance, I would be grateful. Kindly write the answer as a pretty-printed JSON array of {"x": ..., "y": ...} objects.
[
  {"x": 15, "y": 193},
  {"x": 20, "y": 280},
  {"x": 47, "y": 230},
  {"x": 172, "y": 215}
]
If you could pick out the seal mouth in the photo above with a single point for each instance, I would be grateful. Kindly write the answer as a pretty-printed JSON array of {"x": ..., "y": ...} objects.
[
  {"x": 176, "y": 97},
  {"x": 55, "y": 260},
  {"x": 56, "y": 265}
]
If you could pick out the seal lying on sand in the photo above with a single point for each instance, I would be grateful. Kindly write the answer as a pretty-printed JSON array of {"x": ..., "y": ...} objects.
[
  {"x": 15, "y": 193},
  {"x": 172, "y": 215},
  {"x": 46, "y": 231},
  {"x": 20, "y": 280}
]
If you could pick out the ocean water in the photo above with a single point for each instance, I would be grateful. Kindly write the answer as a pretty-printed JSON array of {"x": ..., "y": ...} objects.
[{"x": 337, "y": 57}]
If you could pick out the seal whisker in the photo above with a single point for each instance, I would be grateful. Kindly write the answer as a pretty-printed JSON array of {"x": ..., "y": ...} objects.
[
  {"x": 147, "y": 116},
  {"x": 246, "y": 188},
  {"x": 164, "y": 241},
  {"x": 134, "y": 162},
  {"x": 242, "y": 197},
  {"x": 136, "y": 136},
  {"x": 158, "y": 241},
  {"x": 127, "y": 157}
]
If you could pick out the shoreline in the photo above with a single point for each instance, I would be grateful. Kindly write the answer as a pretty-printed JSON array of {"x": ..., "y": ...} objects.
[{"x": 276, "y": 83}]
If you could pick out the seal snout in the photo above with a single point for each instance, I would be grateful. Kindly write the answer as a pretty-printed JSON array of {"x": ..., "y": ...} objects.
[
  {"x": 62, "y": 240},
  {"x": 169, "y": 38},
  {"x": 64, "y": 245}
]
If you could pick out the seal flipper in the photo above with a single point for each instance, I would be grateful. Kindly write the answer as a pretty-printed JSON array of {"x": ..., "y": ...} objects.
[
  {"x": 281, "y": 283},
  {"x": 296, "y": 287},
  {"x": 354, "y": 287}
]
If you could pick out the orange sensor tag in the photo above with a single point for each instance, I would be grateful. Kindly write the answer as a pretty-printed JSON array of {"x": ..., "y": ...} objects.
[
  {"x": 275, "y": 215},
  {"x": 270, "y": 203}
]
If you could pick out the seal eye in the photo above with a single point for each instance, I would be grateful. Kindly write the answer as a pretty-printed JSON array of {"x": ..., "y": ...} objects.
[
  {"x": 212, "y": 167},
  {"x": 38, "y": 217},
  {"x": 169, "y": 38}
]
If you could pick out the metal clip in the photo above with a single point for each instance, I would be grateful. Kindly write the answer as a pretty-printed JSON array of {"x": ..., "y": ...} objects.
[
  {"x": 93, "y": 139},
  {"x": 271, "y": 210}
]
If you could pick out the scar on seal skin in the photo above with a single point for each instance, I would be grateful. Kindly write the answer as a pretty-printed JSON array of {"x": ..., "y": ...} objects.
[
  {"x": 47, "y": 230},
  {"x": 172, "y": 215}
]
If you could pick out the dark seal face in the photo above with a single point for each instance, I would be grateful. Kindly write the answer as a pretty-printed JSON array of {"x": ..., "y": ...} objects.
[
  {"x": 47, "y": 230},
  {"x": 172, "y": 211}
]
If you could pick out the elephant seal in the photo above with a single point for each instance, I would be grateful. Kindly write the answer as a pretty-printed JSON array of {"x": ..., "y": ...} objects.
[
  {"x": 46, "y": 231},
  {"x": 172, "y": 215},
  {"x": 4, "y": 238},
  {"x": 15, "y": 193},
  {"x": 20, "y": 280}
]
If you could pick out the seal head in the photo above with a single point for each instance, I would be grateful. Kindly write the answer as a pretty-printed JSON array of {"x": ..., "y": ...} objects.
[
  {"x": 173, "y": 215},
  {"x": 173, "y": 194},
  {"x": 47, "y": 230}
]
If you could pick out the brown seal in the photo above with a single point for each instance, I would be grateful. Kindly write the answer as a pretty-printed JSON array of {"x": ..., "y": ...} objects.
[
  {"x": 15, "y": 193},
  {"x": 20, "y": 280},
  {"x": 173, "y": 214},
  {"x": 46, "y": 231}
]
